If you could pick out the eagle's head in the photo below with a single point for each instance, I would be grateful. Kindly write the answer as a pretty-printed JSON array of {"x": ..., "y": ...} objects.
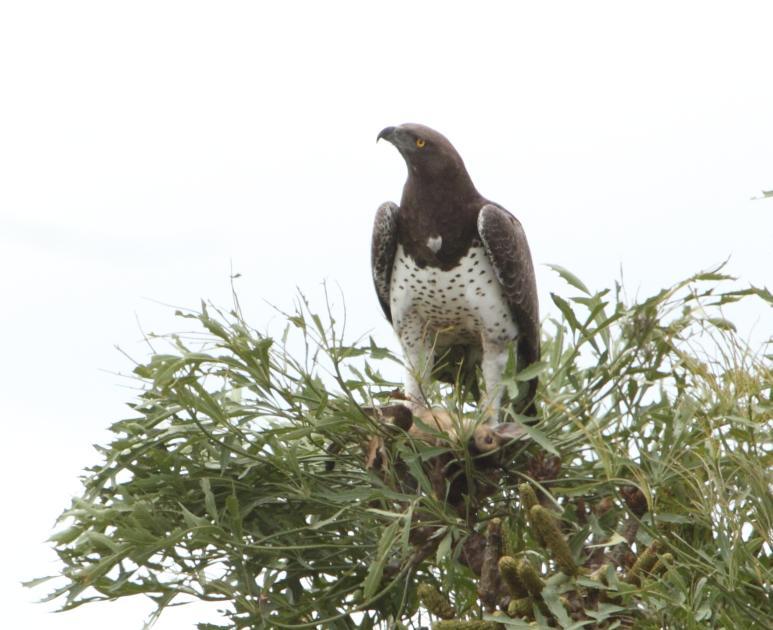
[{"x": 425, "y": 151}]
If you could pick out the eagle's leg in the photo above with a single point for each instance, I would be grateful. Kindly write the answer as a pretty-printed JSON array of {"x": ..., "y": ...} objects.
[
  {"x": 418, "y": 356},
  {"x": 493, "y": 366}
]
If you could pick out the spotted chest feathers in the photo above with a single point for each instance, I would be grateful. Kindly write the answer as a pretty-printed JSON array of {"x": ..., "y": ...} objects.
[{"x": 462, "y": 305}]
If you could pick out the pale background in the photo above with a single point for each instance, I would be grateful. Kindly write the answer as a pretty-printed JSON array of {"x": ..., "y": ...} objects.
[{"x": 146, "y": 148}]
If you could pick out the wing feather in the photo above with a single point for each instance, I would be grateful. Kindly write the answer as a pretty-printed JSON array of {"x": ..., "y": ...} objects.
[
  {"x": 382, "y": 252},
  {"x": 508, "y": 250}
]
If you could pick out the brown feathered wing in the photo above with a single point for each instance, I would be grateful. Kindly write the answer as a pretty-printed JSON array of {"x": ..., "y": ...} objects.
[
  {"x": 505, "y": 243},
  {"x": 382, "y": 252}
]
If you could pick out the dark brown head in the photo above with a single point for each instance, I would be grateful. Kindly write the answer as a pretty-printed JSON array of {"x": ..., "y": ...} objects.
[{"x": 427, "y": 153}]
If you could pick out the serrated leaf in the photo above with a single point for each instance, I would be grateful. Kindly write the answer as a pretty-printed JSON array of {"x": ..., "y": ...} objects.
[
  {"x": 38, "y": 581},
  {"x": 191, "y": 520},
  {"x": 569, "y": 277},
  {"x": 566, "y": 311},
  {"x": 552, "y": 601}
]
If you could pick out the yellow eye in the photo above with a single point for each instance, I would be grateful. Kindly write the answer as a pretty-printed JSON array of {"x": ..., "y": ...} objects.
[{"x": 420, "y": 142}]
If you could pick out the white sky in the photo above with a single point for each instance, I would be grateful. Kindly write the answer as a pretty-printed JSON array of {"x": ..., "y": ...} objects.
[{"x": 145, "y": 147}]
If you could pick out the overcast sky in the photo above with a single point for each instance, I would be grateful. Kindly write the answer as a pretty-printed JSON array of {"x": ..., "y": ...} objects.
[{"x": 148, "y": 148}]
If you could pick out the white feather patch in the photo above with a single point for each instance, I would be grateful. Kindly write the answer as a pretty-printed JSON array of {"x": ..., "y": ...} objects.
[
  {"x": 435, "y": 243},
  {"x": 463, "y": 304}
]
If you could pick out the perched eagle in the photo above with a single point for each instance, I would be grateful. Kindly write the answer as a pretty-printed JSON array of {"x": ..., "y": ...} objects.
[{"x": 454, "y": 274}]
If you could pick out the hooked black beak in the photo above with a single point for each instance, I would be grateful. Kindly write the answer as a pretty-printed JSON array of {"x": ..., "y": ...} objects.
[{"x": 387, "y": 133}]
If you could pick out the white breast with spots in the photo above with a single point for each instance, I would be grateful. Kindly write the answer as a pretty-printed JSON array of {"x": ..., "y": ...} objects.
[{"x": 465, "y": 304}]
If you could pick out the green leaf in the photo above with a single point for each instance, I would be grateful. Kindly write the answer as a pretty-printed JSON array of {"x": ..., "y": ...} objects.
[
  {"x": 234, "y": 513},
  {"x": 191, "y": 520},
  {"x": 529, "y": 372},
  {"x": 604, "y": 611},
  {"x": 509, "y": 623},
  {"x": 566, "y": 311},
  {"x": 666, "y": 517},
  {"x": 569, "y": 277},
  {"x": 615, "y": 539},
  {"x": 444, "y": 548},
  {"x": 328, "y": 521},
  {"x": 376, "y": 570},
  {"x": 550, "y": 597},
  {"x": 593, "y": 584},
  {"x": 722, "y": 323},
  {"x": 209, "y": 498},
  {"x": 38, "y": 581},
  {"x": 535, "y": 434},
  {"x": 66, "y": 535}
]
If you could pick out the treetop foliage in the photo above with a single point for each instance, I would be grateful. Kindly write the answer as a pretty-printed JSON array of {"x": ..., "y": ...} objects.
[{"x": 641, "y": 498}]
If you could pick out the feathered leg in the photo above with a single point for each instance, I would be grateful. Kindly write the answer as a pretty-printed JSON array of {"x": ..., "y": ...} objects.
[
  {"x": 493, "y": 366},
  {"x": 418, "y": 356}
]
